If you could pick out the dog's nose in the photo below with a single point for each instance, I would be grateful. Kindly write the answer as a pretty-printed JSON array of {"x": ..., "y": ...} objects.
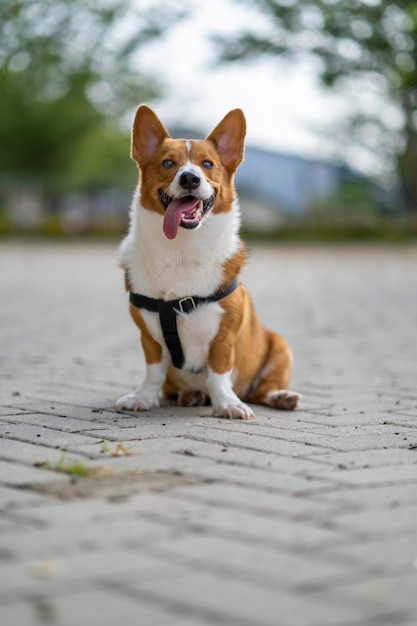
[{"x": 189, "y": 180}]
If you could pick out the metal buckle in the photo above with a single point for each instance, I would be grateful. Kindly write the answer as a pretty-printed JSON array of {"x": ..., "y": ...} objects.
[{"x": 188, "y": 309}]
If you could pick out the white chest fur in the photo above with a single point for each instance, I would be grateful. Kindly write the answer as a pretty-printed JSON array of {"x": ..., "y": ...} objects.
[
  {"x": 192, "y": 264},
  {"x": 189, "y": 265}
]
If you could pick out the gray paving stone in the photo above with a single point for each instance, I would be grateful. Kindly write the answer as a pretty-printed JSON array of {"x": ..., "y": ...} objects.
[
  {"x": 355, "y": 459},
  {"x": 234, "y": 454},
  {"x": 358, "y": 430},
  {"x": 336, "y": 419},
  {"x": 30, "y": 453},
  {"x": 77, "y": 571},
  {"x": 12, "y": 498},
  {"x": 299, "y": 485},
  {"x": 171, "y": 463},
  {"x": 409, "y": 411},
  {"x": 165, "y": 428},
  {"x": 267, "y": 503},
  {"x": 52, "y": 541},
  {"x": 377, "y": 497},
  {"x": 15, "y": 474},
  {"x": 42, "y": 435},
  {"x": 265, "y": 441},
  {"x": 270, "y": 567},
  {"x": 91, "y": 412},
  {"x": 394, "y": 520},
  {"x": 143, "y": 446},
  {"x": 225, "y": 521},
  {"x": 11, "y": 412},
  {"x": 387, "y": 553},
  {"x": 102, "y": 608},
  {"x": 304, "y": 518},
  {"x": 64, "y": 423},
  {"x": 21, "y": 613},
  {"x": 261, "y": 606},
  {"x": 173, "y": 451},
  {"x": 396, "y": 474},
  {"x": 383, "y": 595}
]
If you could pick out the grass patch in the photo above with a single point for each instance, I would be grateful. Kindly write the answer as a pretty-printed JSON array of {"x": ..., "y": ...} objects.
[{"x": 75, "y": 468}]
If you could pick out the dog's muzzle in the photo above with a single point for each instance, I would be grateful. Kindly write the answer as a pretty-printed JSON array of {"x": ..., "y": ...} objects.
[{"x": 166, "y": 200}]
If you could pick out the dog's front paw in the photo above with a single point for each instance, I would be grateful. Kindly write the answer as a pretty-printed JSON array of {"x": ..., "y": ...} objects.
[
  {"x": 132, "y": 402},
  {"x": 283, "y": 399},
  {"x": 234, "y": 410}
]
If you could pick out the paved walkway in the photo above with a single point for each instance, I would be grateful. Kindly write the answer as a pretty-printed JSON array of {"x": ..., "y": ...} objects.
[{"x": 295, "y": 519}]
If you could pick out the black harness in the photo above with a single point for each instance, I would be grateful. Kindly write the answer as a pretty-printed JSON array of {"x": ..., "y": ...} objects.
[{"x": 168, "y": 311}]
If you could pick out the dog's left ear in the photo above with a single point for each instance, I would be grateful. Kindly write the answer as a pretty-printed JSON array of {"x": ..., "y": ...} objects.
[
  {"x": 147, "y": 135},
  {"x": 229, "y": 137}
]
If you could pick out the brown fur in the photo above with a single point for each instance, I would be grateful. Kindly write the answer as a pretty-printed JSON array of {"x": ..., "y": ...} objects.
[
  {"x": 260, "y": 359},
  {"x": 151, "y": 348}
]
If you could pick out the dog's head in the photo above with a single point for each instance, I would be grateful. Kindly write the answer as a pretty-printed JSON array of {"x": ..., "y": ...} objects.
[{"x": 185, "y": 180}]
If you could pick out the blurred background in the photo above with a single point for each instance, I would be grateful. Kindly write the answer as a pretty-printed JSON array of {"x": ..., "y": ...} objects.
[{"x": 329, "y": 90}]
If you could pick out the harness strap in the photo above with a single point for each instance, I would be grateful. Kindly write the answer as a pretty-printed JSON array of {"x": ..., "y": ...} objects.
[{"x": 168, "y": 311}]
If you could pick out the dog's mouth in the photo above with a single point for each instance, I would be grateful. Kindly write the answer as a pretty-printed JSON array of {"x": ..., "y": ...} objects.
[{"x": 187, "y": 212}]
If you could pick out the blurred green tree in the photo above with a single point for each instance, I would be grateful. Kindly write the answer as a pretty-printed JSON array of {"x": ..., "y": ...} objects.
[
  {"x": 372, "y": 40},
  {"x": 67, "y": 76}
]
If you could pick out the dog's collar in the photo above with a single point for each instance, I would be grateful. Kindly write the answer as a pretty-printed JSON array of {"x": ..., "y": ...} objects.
[{"x": 168, "y": 311}]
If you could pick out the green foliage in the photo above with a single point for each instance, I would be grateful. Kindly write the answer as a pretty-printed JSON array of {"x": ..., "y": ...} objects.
[
  {"x": 371, "y": 39},
  {"x": 338, "y": 227},
  {"x": 75, "y": 468},
  {"x": 349, "y": 37},
  {"x": 67, "y": 75}
]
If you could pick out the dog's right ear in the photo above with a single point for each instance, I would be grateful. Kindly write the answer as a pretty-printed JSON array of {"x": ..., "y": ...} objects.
[{"x": 147, "y": 135}]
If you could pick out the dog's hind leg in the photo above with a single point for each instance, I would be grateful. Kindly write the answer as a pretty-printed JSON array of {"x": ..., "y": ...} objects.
[{"x": 272, "y": 385}]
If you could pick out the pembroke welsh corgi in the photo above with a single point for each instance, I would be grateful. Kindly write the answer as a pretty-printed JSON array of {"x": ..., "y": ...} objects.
[{"x": 201, "y": 337}]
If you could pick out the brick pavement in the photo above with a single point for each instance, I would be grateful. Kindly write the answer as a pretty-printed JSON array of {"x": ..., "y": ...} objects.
[{"x": 297, "y": 519}]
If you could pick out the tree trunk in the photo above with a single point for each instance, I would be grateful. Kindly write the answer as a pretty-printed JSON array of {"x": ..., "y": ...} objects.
[{"x": 408, "y": 165}]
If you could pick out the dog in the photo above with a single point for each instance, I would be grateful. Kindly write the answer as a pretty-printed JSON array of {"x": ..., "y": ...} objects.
[{"x": 202, "y": 340}]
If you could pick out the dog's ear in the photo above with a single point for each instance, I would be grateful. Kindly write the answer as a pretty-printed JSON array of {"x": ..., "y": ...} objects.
[
  {"x": 147, "y": 135},
  {"x": 229, "y": 137}
]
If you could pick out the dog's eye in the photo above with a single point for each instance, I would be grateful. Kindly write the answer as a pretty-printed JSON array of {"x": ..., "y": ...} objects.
[
  {"x": 207, "y": 164},
  {"x": 168, "y": 163}
]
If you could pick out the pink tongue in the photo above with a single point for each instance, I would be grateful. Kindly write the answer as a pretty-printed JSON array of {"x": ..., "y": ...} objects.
[{"x": 174, "y": 213}]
